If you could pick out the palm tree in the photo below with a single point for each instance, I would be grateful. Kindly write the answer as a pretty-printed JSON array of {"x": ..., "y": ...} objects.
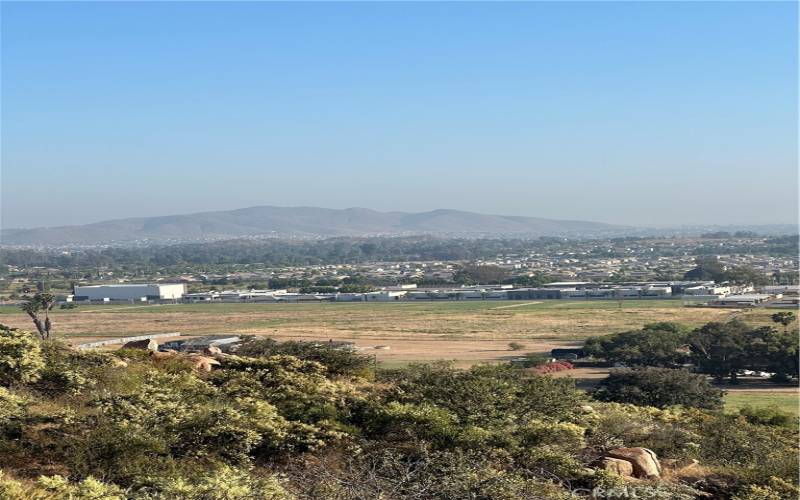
[{"x": 38, "y": 305}]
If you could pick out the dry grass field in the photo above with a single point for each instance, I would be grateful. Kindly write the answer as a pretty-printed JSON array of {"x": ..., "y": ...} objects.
[
  {"x": 464, "y": 332},
  {"x": 414, "y": 331}
]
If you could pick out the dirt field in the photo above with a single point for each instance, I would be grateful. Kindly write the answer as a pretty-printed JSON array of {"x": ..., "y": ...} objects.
[{"x": 465, "y": 331}]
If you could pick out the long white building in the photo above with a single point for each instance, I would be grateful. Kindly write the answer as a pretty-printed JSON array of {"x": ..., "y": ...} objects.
[{"x": 137, "y": 292}]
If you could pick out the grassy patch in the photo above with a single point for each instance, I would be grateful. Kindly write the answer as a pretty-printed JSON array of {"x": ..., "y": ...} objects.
[{"x": 786, "y": 401}]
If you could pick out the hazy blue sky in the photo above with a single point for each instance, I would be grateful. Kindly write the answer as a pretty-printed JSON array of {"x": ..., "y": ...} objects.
[{"x": 636, "y": 113}]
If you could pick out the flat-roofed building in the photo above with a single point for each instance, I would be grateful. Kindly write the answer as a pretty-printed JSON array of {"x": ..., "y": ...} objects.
[
  {"x": 139, "y": 292},
  {"x": 748, "y": 299}
]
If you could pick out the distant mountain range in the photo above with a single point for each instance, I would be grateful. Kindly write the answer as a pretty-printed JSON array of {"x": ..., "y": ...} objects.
[
  {"x": 311, "y": 222},
  {"x": 301, "y": 222}
]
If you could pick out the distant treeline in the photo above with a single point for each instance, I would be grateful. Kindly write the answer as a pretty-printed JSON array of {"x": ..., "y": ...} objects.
[
  {"x": 273, "y": 252},
  {"x": 346, "y": 250},
  {"x": 777, "y": 246}
]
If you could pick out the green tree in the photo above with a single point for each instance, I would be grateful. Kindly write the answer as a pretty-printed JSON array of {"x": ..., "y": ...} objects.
[
  {"x": 776, "y": 351},
  {"x": 707, "y": 268},
  {"x": 659, "y": 387},
  {"x": 746, "y": 275},
  {"x": 657, "y": 344},
  {"x": 480, "y": 275},
  {"x": 532, "y": 280},
  {"x": 721, "y": 349}
]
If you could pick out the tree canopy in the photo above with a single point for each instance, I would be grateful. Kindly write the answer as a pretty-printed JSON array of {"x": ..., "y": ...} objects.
[
  {"x": 659, "y": 387},
  {"x": 656, "y": 344}
]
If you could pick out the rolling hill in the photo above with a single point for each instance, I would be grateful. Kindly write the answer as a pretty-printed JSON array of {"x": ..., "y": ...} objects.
[{"x": 301, "y": 222}]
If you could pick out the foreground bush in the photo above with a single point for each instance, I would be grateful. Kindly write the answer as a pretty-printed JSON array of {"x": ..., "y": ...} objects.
[
  {"x": 336, "y": 361},
  {"x": 91, "y": 425},
  {"x": 21, "y": 358}
]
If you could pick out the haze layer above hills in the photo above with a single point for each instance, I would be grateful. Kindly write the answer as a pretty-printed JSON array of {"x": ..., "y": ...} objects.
[{"x": 302, "y": 222}]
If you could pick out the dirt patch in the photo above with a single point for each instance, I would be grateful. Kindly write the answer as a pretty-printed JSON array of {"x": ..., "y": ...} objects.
[{"x": 468, "y": 331}]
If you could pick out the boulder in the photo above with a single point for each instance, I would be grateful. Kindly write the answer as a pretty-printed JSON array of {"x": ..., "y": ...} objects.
[
  {"x": 119, "y": 363},
  {"x": 645, "y": 463},
  {"x": 212, "y": 350},
  {"x": 157, "y": 355},
  {"x": 147, "y": 344},
  {"x": 203, "y": 363},
  {"x": 617, "y": 466}
]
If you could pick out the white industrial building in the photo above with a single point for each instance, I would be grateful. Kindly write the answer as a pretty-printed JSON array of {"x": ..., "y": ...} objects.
[
  {"x": 235, "y": 296},
  {"x": 130, "y": 292},
  {"x": 746, "y": 300},
  {"x": 708, "y": 290}
]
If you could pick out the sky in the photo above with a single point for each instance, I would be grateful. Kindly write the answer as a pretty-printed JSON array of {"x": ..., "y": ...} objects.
[{"x": 653, "y": 113}]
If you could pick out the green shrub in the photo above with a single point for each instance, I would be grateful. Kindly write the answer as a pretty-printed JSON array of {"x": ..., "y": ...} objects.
[
  {"x": 299, "y": 389},
  {"x": 12, "y": 412},
  {"x": 753, "y": 453},
  {"x": 336, "y": 361},
  {"x": 534, "y": 359},
  {"x": 403, "y": 421},
  {"x": 270, "y": 427},
  {"x": 21, "y": 359},
  {"x": 87, "y": 489},
  {"x": 767, "y": 415},
  {"x": 219, "y": 483},
  {"x": 774, "y": 489},
  {"x": 485, "y": 395},
  {"x": 669, "y": 433}
]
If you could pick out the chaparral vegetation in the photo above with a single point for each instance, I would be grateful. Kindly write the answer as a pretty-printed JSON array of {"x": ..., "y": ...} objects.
[{"x": 281, "y": 421}]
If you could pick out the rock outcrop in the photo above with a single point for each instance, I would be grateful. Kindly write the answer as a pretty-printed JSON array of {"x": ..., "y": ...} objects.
[
  {"x": 645, "y": 462},
  {"x": 203, "y": 363},
  {"x": 617, "y": 466}
]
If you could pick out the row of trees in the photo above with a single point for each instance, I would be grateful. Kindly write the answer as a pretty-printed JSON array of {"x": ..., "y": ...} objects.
[{"x": 718, "y": 349}]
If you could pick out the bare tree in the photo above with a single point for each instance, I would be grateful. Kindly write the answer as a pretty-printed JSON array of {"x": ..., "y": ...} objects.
[{"x": 38, "y": 308}]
